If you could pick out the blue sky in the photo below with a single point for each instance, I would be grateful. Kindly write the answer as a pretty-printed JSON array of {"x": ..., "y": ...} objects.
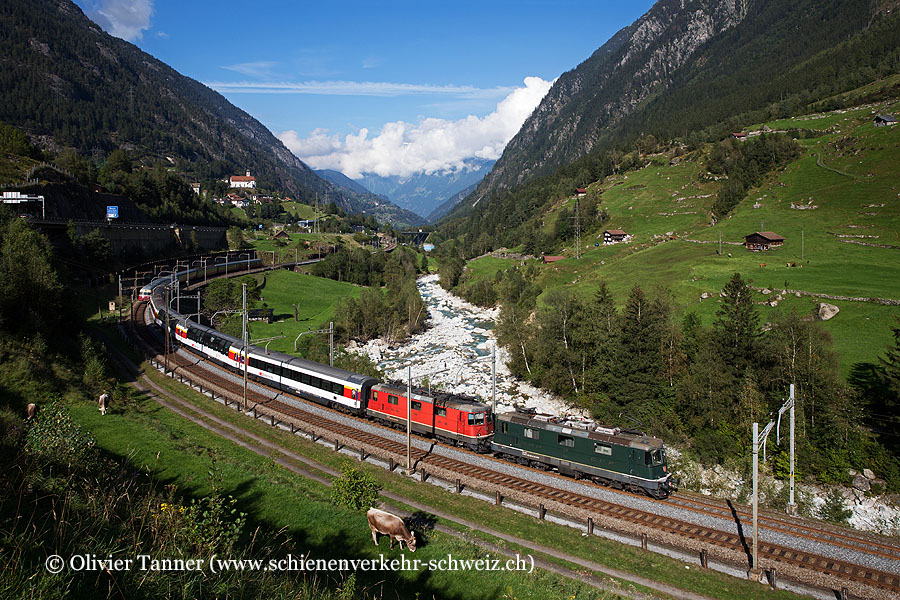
[{"x": 388, "y": 87}]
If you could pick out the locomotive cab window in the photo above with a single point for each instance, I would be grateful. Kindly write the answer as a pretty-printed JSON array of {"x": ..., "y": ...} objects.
[
  {"x": 532, "y": 434},
  {"x": 654, "y": 457},
  {"x": 566, "y": 440},
  {"x": 604, "y": 449},
  {"x": 416, "y": 405},
  {"x": 393, "y": 400},
  {"x": 476, "y": 418},
  {"x": 440, "y": 411}
]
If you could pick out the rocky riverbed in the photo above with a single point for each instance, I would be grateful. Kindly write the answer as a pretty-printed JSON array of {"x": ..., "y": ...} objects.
[{"x": 454, "y": 353}]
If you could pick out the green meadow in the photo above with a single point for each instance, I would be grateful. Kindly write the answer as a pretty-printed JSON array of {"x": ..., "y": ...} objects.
[{"x": 843, "y": 192}]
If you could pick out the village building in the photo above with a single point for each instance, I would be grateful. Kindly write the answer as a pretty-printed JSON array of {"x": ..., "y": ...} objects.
[
  {"x": 552, "y": 259},
  {"x": 580, "y": 192},
  {"x": 242, "y": 181},
  {"x": 885, "y": 120},
  {"x": 281, "y": 234},
  {"x": 739, "y": 136},
  {"x": 196, "y": 188},
  {"x": 614, "y": 236},
  {"x": 762, "y": 240}
]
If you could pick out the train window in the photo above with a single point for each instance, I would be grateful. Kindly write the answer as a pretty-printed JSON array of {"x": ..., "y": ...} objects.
[
  {"x": 532, "y": 434},
  {"x": 337, "y": 388},
  {"x": 393, "y": 400},
  {"x": 566, "y": 440},
  {"x": 305, "y": 379},
  {"x": 416, "y": 405},
  {"x": 440, "y": 411},
  {"x": 657, "y": 457},
  {"x": 604, "y": 449},
  {"x": 476, "y": 418},
  {"x": 504, "y": 428}
]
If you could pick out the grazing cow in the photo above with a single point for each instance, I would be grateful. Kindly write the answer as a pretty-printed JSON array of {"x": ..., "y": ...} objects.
[
  {"x": 391, "y": 526},
  {"x": 30, "y": 410},
  {"x": 103, "y": 402}
]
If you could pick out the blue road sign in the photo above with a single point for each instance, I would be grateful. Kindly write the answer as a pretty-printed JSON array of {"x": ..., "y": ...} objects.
[{"x": 112, "y": 212}]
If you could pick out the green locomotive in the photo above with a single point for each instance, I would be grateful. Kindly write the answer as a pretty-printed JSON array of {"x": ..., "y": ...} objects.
[{"x": 620, "y": 459}]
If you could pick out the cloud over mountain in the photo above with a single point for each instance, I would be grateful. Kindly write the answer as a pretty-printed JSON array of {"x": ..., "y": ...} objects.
[
  {"x": 430, "y": 146},
  {"x": 126, "y": 19}
]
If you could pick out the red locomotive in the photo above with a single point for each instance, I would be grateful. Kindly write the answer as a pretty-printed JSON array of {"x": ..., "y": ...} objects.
[{"x": 447, "y": 418}]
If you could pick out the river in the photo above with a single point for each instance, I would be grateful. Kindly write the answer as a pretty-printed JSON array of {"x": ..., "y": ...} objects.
[{"x": 458, "y": 333}]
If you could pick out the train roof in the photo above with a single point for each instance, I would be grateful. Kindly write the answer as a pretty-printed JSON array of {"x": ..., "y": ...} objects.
[
  {"x": 583, "y": 428},
  {"x": 294, "y": 361},
  {"x": 445, "y": 399}
]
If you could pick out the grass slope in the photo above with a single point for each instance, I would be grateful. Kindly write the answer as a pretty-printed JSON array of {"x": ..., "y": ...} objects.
[
  {"x": 848, "y": 172},
  {"x": 318, "y": 298}
]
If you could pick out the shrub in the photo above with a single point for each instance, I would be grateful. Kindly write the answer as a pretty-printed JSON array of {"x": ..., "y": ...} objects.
[{"x": 354, "y": 489}]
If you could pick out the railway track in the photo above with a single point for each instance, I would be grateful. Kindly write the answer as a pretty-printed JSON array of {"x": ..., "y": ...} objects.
[{"x": 812, "y": 568}]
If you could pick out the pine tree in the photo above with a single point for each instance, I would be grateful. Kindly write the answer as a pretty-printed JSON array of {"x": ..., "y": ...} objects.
[
  {"x": 737, "y": 326},
  {"x": 640, "y": 362}
]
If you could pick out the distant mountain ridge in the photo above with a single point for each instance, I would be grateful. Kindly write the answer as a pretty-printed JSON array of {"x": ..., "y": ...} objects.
[
  {"x": 69, "y": 84},
  {"x": 684, "y": 66},
  {"x": 424, "y": 193}
]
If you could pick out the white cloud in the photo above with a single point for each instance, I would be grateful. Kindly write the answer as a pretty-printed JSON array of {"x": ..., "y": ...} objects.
[
  {"x": 432, "y": 145},
  {"x": 353, "y": 88},
  {"x": 126, "y": 19},
  {"x": 261, "y": 68}
]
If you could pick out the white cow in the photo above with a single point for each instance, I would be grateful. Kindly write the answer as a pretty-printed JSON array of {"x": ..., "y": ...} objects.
[
  {"x": 103, "y": 403},
  {"x": 30, "y": 411},
  {"x": 391, "y": 526}
]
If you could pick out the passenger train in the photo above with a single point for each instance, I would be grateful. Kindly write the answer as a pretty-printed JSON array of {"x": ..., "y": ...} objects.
[{"x": 622, "y": 459}]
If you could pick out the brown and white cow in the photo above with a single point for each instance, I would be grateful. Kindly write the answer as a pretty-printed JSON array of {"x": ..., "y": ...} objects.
[
  {"x": 391, "y": 526},
  {"x": 30, "y": 411},
  {"x": 103, "y": 403}
]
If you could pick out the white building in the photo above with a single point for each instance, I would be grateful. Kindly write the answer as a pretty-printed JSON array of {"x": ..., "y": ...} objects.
[{"x": 242, "y": 181}]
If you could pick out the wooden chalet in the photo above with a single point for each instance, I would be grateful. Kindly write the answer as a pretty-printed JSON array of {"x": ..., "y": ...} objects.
[
  {"x": 739, "y": 135},
  {"x": 762, "y": 240},
  {"x": 281, "y": 234},
  {"x": 552, "y": 259},
  {"x": 612, "y": 236},
  {"x": 580, "y": 192},
  {"x": 885, "y": 120}
]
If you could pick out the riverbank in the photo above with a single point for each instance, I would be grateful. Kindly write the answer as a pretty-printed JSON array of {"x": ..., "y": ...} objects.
[{"x": 454, "y": 353}]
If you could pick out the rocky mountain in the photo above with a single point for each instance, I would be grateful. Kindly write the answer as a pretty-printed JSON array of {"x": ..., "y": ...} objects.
[
  {"x": 423, "y": 193},
  {"x": 68, "y": 84},
  {"x": 444, "y": 209},
  {"x": 684, "y": 66},
  {"x": 399, "y": 216}
]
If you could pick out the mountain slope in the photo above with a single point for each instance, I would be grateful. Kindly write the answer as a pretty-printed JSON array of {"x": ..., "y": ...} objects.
[
  {"x": 685, "y": 65},
  {"x": 423, "y": 193},
  {"x": 69, "y": 84}
]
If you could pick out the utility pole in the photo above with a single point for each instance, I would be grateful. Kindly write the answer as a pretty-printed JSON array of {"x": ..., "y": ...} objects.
[
  {"x": 166, "y": 370},
  {"x": 577, "y": 229},
  {"x": 802, "y": 248},
  {"x": 119, "y": 299},
  {"x": 408, "y": 420},
  {"x": 246, "y": 352},
  {"x": 788, "y": 406},
  {"x": 720, "y": 243},
  {"x": 494, "y": 379},
  {"x": 759, "y": 438},
  {"x": 331, "y": 343}
]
